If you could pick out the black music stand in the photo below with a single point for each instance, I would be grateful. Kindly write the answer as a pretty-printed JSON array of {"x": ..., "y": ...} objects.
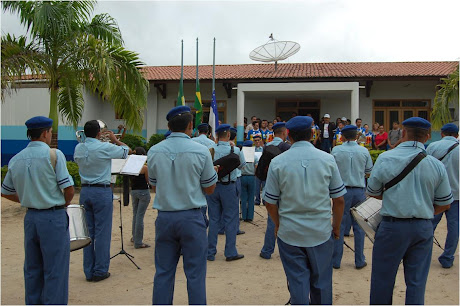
[{"x": 122, "y": 251}]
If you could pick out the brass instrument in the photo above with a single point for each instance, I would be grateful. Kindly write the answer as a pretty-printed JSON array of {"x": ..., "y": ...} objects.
[{"x": 80, "y": 134}]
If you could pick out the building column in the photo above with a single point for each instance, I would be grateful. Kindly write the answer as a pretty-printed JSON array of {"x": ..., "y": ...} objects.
[
  {"x": 151, "y": 113},
  {"x": 354, "y": 103},
  {"x": 240, "y": 116}
]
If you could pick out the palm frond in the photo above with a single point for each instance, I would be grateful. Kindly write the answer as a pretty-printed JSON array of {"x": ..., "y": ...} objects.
[
  {"x": 18, "y": 59},
  {"x": 104, "y": 27},
  {"x": 70, "y": 99},
  {"x": 447, "y": 95}
]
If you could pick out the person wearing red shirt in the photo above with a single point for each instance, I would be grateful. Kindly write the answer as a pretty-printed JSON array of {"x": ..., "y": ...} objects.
[{"x": 381, "y": 139}]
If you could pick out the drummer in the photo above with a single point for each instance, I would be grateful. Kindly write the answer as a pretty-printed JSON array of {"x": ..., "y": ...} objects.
[
  {"x": 354, "y": 163},
  {"x": 35, "y": 178},
  {"x": 406, "y": 232}
]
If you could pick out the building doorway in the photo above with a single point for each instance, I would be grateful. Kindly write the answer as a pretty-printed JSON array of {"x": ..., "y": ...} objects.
[{"x": 287, "y": 108}]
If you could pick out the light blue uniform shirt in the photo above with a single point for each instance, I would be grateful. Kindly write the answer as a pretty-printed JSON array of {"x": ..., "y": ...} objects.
[
  {"x": 222, "y": 149},
  {"x": 202, "y": 139},
  {"x": 354, "y": 162},
  {"x": 414, "y": 196},
  {"x": 31, "y": 175},
  {"x": 304, "y": 179},
  {"x": 438, "y": 149},
  {"x": 179, "y": 168},
  {"x": 94, "y": 159},
  {"x": 259, "y": 149},
  {"x": 276, "y": 141},
  {"x": 249, "y": 168}
]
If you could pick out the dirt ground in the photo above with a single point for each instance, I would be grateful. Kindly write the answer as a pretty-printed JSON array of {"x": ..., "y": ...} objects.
[{"x": 252, "y": 280}]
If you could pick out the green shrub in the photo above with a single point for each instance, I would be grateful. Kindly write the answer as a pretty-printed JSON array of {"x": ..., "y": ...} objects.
[
  {"x": 134, "y": 141},
  {"x": 154, "y": 139},
  {"x": 4, "y": 171},
  {"x": 72, "y": 167},
  {"x": 375, "y": 154}
]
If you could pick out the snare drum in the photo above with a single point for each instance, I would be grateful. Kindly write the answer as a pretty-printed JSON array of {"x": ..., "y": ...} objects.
[
  {"x": 78, "y": 230},
  {"x": 367, "y": 215}
]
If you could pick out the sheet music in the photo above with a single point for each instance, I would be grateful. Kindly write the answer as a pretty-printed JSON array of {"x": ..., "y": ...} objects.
[
  {"x": 134, "y": 164},
  {"x": 117, "y": 165},
  {"x": 249, "y": 154},
  {"x": 258, "y": 154}
]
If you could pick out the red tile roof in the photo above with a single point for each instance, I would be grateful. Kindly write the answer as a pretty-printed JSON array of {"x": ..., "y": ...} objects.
[{"x": 304, "y": 71}]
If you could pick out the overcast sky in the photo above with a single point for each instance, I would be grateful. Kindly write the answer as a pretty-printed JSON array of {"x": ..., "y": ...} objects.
[{"x": 327, "y": 30}]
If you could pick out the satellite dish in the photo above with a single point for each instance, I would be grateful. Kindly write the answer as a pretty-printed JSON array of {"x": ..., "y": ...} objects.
[{"x": 274, "y": 51}]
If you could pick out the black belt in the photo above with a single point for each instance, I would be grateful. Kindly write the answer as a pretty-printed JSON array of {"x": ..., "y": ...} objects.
[
  {"x": 349, "y": 187},
  {"x": 247, "y": 175},
  {"x": 51, "y": 208},
  {"x": 394, "y": 219},
  {"x": 96, "y": 185},
  {"x": 226, "y": 183}
]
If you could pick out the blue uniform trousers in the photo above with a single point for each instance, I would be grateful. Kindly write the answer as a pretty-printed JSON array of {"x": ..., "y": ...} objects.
[
  {"x": 448, "y": 256},
  {"x": 326, "y": 144},
  {"x": 309, "y": 272},
  {"x": 98, "y": 203},
  {"x": 259, "y": 186},
  {"x": 238, "y": 195},
  {"x": 269, "y": 240},
  {"x": 175, "y": 231},
  {"x": 223, "y": 203},
  {"x": 410, "y": 240},
  {"x": 47, "y": 256},
  {"x": 352, "y": 197},
  {"x": 247, "y": 198}
]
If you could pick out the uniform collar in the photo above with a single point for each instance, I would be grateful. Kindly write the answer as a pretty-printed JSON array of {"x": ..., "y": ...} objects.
[
  {"x": 350, "y": 143},
  {"x": 302, "y": 143},
  {"x": 450, "y": 138},
  {"x": 179, "y": 134},
  {"x": 91, "y": 139},
  {"x": 37, "y": 143},
  {"x": 277, "y": 138},
  {"x": 224, "y": 143},
  {"x": 411, "y": 144}
]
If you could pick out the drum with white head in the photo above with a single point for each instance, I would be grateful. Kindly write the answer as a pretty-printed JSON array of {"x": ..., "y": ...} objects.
[{"x": 367, "y": 215}]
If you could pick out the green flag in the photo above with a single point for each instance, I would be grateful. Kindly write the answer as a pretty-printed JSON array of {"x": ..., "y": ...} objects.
[{"x": 198, "y": 105}]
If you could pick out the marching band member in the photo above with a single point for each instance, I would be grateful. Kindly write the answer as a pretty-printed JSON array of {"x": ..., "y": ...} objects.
[
  {"x": 354, "y": 163},
  {"x": 270, "y": 240},
  {"x": 298, "y": 189},
  {"x": 178, "y": 167},
  {"x": 223, "y": 203},
  {"x": 203, "y": 139},
  {"x": 449, "y": 157},
  {"x": 406, "y": 231},
  {"x": 247, "y": 187},
  {"x": 94, "y": 162},
  {"x": 35, "y": 179}
]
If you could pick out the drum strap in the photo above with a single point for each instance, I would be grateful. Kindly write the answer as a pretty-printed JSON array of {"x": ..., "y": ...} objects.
[
  {"x": 53, "y": 158},
  {"x": 406, "y": 171},
  {"x": 450, "y": 149}
]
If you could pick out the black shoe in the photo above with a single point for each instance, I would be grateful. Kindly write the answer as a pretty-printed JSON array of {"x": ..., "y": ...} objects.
[
  {"x": 336, "y": 267},
  {"x": 265, "y": 256},
  {"x": 241, "y": 232},
  {"x": 239, "y": 256},
  {"x": 98, "y": 278},
  {"x": 221, "y": 233},
  {"x": 258, "y": 204},
  {"x": 359, "y": 268}
]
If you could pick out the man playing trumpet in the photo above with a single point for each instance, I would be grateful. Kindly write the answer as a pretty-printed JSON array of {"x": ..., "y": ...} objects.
[{"x": 94, "y": 160}]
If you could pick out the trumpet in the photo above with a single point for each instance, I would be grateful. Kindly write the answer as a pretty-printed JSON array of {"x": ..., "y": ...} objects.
[{"x": 80, "y": 134}]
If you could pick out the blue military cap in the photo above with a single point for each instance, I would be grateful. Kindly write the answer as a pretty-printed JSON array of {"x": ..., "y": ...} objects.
[
  {"x": 449, "y": 128},
  {"x": 299, "y": 123},
  {"x": 350, "y": 128},
  {"x": 247, "y": 143},
  {"x": 233, "y": 129},
  {"x": 202, "y": 125},
  {"x": 223, "y": 127},
  {"x": 176, "y": 111},
  {"x": 417, "y": 122},
  {"x": 279, "y": 125},
  {"x": 167, "y": 133},
  {"x": 39, "y": 122}
]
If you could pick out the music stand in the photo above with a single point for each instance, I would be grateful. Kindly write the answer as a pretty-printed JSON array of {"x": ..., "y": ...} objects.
[{"x": 131, "y": 166}]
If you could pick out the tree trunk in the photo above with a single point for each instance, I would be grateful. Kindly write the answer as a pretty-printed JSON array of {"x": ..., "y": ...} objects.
[{"x": 54, "y": 115}]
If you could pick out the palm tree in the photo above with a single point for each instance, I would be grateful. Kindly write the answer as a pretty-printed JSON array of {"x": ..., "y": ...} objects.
[
  {"x": 446, "y": 95},
  {"x": 73, "y": 52}
]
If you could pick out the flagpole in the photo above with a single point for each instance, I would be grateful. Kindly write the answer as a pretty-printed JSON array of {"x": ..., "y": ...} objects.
[
  {"x": 182, "y": 65},
  {"x": 214, "y": 65}
]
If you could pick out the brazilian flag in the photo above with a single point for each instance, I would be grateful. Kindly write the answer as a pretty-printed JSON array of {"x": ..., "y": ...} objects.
[{"x": 198, "y": 105}]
